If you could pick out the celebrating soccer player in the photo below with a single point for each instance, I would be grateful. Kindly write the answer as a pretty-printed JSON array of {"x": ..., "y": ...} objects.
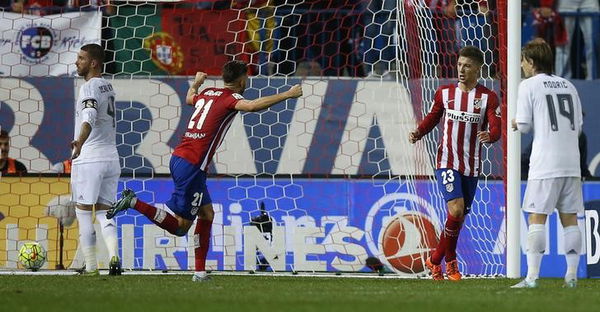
[
  {"x": 95, "y": 171},
  {"x": 550, "y": 106},
  {"x": 469, "y": 108},
  {"x": 215, "y": 111}
]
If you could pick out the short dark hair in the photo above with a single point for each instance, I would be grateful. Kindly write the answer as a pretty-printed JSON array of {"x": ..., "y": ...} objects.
[
  {"x": 4, "y": 134},
  {"x": 540, "y": 53},
  {"x": 233, "y": 70},
  {"x": 95, "y": 51},
  {"x": 472, "y": 52}
]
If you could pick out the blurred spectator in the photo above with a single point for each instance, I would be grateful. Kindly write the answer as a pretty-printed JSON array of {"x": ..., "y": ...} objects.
[
  {"x": 327, "y": 32},
  {"x": 474, "y": 28},
  {"x": 308, "y": 69},
  {"x": 548, "y": 23},
  {"x": 39, "y": 7},
  {"x": 8, "y": 166},
  {"x": 563, "y": 53}
]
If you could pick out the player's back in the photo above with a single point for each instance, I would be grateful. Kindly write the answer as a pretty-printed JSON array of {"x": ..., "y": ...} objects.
[
  {"x": 208, "y": 125},
  {"x": 557, "y": 121},
  {"x": 101, "y": 145}
]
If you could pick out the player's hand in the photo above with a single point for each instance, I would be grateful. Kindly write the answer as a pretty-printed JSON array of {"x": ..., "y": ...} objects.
[
  {"x": 413, "y": 137},
  {"x": 295, "y": 91},
  {"x": 484, "y": 136},
  {"x": 513, "y": 124},
  {"x": 199, "y": 79},
  {"x": 75, "y": 149}
]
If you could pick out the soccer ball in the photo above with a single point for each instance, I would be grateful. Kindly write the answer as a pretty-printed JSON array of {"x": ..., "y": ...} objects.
[{"x": 32, "y": 256}]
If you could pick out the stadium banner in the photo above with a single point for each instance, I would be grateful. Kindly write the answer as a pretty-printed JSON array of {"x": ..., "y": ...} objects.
[
  {"x": 299, "y": 133},
  {"x": 592, "y": 237},
  {"x": 317, "y": 225},
  {"x": 47, "y": 45}
]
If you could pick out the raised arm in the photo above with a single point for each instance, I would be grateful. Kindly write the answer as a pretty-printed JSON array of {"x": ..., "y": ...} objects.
[
  {"x": 268, "y": 101},
  {"x": 193, "y": 90}
]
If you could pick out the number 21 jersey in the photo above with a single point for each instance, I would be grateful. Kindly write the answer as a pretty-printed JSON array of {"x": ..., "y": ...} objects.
[
  {"x": 551, "y": 105},
  {"x": 214, "y": 114}
]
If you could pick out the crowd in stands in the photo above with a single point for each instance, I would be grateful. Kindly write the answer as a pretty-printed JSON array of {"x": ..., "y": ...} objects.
[{"x": 359, "y": 37}]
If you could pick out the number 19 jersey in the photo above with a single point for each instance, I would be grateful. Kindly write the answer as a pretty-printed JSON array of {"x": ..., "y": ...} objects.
[
  {"x": 214, "y": 114},
  {"x": 551, "y": 105}
]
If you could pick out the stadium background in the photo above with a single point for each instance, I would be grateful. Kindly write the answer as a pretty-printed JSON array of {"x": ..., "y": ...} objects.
[{"x": 330, "y": 207}]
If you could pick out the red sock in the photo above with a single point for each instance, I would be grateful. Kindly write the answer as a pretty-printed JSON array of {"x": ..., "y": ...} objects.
[
  {"x": 440, "y": 250},
  {"x": 452, "y": 230},
  {"x": 158, "y": 217},
  {"x": 202, "y": 240}
]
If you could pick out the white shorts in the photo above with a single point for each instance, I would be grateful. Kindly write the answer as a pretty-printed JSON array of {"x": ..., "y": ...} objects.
[
  {"x": 95, "y": 182},
  {"x": 545, "y": 195}
]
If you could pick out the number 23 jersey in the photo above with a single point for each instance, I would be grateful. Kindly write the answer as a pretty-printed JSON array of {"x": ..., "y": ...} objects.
[
  {"x": 97, "y": 93},
  {"x": 551, "y": 106},
  {"x": 206, "y": 129}
]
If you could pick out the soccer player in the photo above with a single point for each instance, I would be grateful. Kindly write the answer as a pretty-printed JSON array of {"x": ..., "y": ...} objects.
[
  {"x": 471, "y": 118},
  {"x": 95, "y": 167},
  {"x": 215, "y": 111},
  {"x": 550, "y": 106}
]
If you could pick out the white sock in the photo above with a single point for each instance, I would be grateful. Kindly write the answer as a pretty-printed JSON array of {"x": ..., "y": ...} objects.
[
  {"x": 87, "y": 238},
  {"x": 109, "y": 232},
  {"x": 536, "y": 245},
  {"x": 572, "y": 240}
]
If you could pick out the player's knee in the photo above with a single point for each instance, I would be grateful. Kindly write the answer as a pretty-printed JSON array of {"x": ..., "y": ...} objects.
[
  {"x": 207, "y": 213},
  {"x": 456, "y": 207}
]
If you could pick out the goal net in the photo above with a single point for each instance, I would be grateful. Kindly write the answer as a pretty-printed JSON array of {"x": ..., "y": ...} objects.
[{"x": 317, "y": 184}]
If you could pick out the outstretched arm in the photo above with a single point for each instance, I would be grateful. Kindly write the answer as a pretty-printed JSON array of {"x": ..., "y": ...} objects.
[{"x": 268, "y": 101}]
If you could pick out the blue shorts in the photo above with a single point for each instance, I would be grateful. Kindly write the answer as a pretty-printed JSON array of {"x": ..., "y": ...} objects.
[
  {"x": 454, "y": 185},
  {"x": 190, "y": 188}
]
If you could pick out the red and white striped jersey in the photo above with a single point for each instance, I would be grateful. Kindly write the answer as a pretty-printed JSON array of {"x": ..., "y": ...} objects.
[
  {"x": 466, "y": 113},
  {"x": 215, "y": 111}
]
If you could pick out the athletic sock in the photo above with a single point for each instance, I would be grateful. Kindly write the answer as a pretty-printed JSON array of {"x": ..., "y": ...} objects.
[
  {"x": 109, "y": 232},
  {"x": 536, "y": 246},
  {"x": 452, "y": 230},
  {"x": 572, "y": 238},
  {"x": 201, "y": 243},
  {"x": 87, "y": 238},
  {"x": 159, "y": 217}
]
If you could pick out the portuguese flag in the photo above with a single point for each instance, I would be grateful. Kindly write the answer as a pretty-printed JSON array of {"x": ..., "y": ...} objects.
[{"x": 176, "y": 39}]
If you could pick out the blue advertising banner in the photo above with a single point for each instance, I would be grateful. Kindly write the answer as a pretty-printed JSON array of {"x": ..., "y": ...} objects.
[{"x": 330, "y": 225}]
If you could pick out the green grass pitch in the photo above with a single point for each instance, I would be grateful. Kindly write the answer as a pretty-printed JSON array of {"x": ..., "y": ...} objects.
[{"x": 174, "y": 293}]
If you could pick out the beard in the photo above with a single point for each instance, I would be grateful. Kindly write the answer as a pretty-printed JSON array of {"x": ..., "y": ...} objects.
[{"x": 83, "y": 72}]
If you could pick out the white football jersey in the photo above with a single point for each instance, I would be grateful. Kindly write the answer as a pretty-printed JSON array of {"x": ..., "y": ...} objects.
[
  {"x": 551, "y": 106},
  {"x": 100, "y": 146}
]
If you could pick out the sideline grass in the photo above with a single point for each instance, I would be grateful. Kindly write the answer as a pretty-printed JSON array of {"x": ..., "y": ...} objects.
[{"x": 263, "y": 293}]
